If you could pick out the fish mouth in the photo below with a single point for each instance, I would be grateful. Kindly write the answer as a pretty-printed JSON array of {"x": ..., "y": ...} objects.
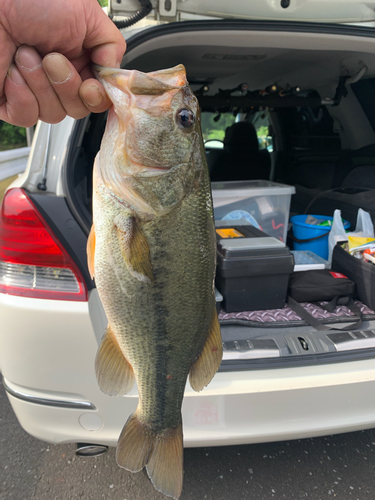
[{"x": 155, "y": 82}]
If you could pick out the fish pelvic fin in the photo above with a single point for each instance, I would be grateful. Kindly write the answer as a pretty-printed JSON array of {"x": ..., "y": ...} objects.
[
  {"x": 113, "y": 371},
  {"x": 135, "y": 249},
  {"x": 160, "y": 452},
  {"x": 208, "y": 361},
  {"x": 91, "y": 251}
]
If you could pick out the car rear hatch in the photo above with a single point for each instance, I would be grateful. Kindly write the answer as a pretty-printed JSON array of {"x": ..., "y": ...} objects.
[
  {"x": 332, "y": 11},
  {"x": 222, "y": 55}
]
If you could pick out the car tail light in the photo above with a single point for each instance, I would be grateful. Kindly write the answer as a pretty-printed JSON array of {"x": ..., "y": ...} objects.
[{"x": 33, "y": 263}]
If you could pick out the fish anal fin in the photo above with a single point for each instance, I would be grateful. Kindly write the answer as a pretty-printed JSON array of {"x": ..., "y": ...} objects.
[
  {"x": 161, "y": 453},
  {"x": 208, "y": 361},
  {"x": 113, "y": 371},
  {"x": 91, "y": 251},
  {"x": 135, "y": 249}
]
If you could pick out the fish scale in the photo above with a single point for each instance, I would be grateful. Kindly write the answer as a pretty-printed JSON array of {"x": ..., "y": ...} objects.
[{"x": 152, "y": 250}]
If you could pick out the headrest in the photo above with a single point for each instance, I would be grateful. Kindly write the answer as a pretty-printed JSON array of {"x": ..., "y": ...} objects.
[{"x": 241, "y": 136}]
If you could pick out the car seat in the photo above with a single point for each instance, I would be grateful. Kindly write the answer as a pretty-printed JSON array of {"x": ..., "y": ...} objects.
[
  {"x": 357, "y": 191},
  {"x": 363, "y": 176},
  {"x": 241, "y": 158}
]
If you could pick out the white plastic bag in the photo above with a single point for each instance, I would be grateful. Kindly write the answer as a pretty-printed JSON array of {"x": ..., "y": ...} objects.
[
  {"x": 336, "y": 234},
  {"x": 364, "y": 226}
]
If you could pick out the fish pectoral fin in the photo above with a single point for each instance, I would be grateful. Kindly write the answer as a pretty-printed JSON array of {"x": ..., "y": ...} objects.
[
  {"x": 161, "y": 452},
  {"x": 91, "y": 251},
  {"x": 135, "y": 249},
  {"x": 208, "y": 361},
  {"x": 113, "y": 371}
]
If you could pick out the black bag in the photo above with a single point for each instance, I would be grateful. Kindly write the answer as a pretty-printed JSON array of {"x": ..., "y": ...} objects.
[
  {"x": 317, "y": 285},
  {"x": 322, "y": 285}
]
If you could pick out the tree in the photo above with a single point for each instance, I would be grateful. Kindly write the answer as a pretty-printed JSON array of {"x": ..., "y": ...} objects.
[{"x": 11, "y": 137}]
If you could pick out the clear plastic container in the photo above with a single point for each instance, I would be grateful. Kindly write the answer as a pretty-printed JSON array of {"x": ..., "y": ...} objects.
[
  {"x": 218, "y": 300},
  {"x": 306, "y": 260},
  {"x": 264, "y": 204}
]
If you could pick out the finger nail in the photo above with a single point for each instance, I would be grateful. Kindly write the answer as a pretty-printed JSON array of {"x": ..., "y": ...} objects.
[
  {"x": 28, "y": 58},
  {"x": 15, "y": 75},
  {"x": 92, "y": 96},
  {"x": 56, "y": 67}
]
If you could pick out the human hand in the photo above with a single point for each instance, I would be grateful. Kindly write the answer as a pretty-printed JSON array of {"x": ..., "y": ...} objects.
[{"x": 46, "y": 52}]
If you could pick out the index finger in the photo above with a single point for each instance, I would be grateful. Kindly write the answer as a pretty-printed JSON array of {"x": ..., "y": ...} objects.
[{"x": 8, "y": 49}]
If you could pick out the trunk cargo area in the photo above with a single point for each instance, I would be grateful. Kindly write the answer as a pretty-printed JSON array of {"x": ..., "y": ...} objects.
[{"x": 313, "y": 153}]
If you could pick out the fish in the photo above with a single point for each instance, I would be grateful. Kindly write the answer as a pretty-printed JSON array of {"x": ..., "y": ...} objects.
[{"x": 152, "y": 252}]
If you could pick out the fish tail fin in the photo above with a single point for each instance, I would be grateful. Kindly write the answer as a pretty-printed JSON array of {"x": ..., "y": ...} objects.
[
  {"x": 135, "y": 445},
  {"x": 165, "y": 467},
  {"x": 161, "y": 453}
]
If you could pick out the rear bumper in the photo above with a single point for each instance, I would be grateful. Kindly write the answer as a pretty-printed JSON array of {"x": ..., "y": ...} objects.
[
  {"x": 237, "y": 408},
  {"x": 47, "y": 354}
]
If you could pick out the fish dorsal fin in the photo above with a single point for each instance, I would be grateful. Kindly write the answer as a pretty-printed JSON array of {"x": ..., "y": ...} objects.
[
  {"x": 208, "y": 362},
  {"x": 135, "y": 248},
  {"x": 91, "y": 251},
  {"x": 113, "y": 371}
]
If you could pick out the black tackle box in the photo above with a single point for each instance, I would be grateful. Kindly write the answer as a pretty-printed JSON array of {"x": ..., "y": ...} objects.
[{"x": 252, "y": 268}]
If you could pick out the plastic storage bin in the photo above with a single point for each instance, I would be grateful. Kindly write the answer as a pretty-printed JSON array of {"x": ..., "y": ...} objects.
[
  {"x": 264, "y": 204},
  {"x": 304, "y": 231},
  {"x": 253, "y": 269}
]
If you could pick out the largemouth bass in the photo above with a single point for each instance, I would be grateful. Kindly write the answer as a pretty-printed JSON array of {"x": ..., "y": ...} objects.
[{"x": 152, "y": 251}]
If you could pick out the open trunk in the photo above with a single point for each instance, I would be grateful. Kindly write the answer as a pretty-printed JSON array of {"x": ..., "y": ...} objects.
[{"x": 308, "y": 90}]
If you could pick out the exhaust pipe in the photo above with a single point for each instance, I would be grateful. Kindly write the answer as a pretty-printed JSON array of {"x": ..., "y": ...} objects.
[{"x": 90, "y": 450}]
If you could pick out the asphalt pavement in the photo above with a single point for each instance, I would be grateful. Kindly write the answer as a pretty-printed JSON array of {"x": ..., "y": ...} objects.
[{"x": 335, "y": 467}]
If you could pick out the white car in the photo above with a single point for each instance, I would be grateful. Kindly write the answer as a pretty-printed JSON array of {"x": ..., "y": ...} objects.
[{"x": 305, "y": 72}]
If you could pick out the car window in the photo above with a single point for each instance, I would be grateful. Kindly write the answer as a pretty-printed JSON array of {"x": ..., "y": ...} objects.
[
  {"x": 214, "y": 126},
  {"x": 261, "y": 122}
]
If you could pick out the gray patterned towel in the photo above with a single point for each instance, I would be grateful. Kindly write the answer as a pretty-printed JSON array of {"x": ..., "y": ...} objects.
[{"x": 269, "y": 317}]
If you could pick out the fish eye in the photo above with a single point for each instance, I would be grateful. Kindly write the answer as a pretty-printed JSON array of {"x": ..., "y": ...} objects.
[{"x": 185, "y": 117}]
